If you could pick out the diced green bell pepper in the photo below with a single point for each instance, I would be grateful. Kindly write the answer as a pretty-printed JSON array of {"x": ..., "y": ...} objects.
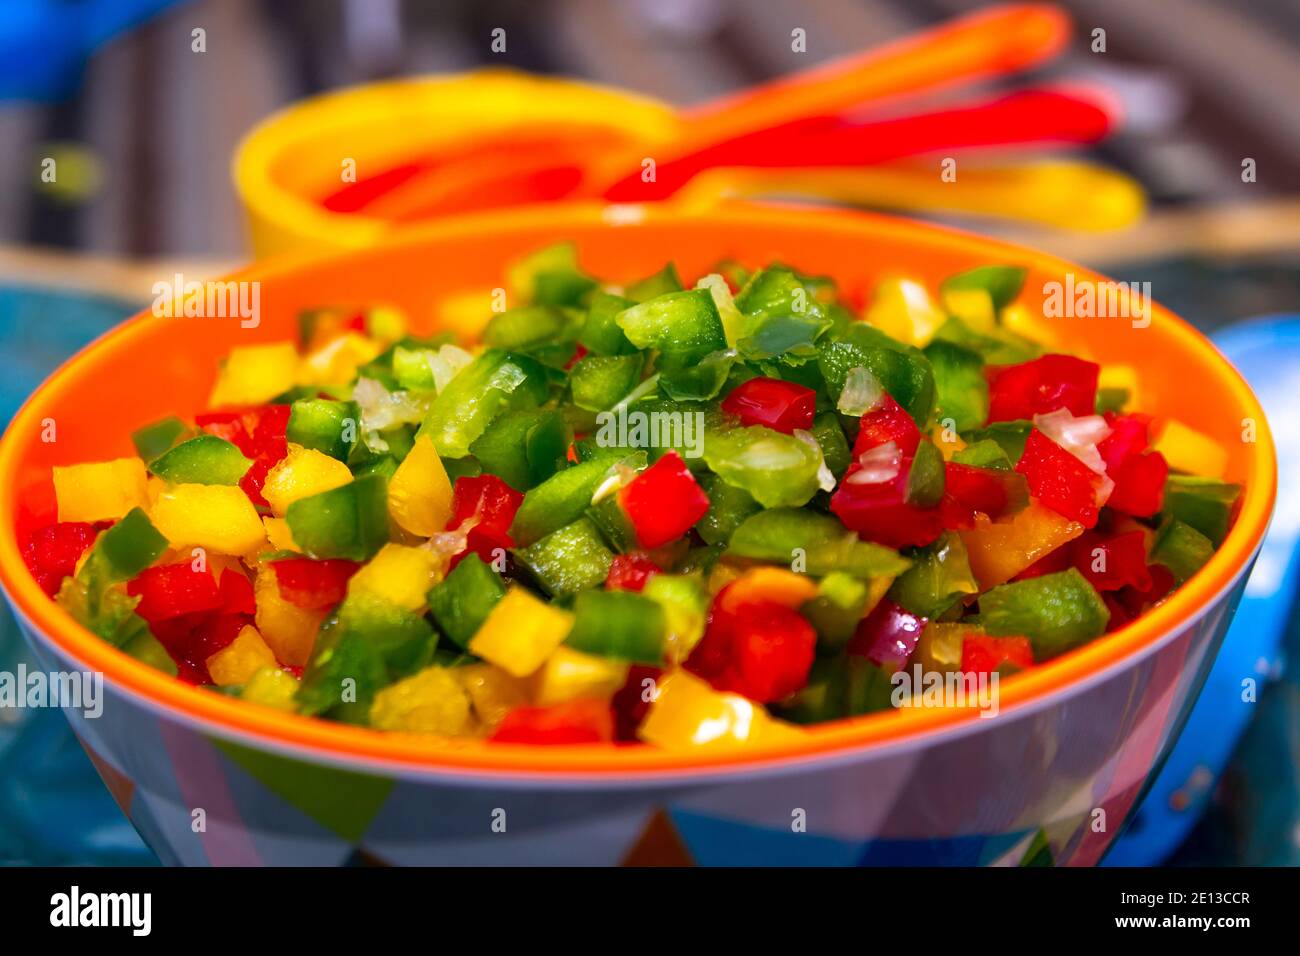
[
  {"x": 1010, "y": 436},
  {"x": 127, "y": 548},
  {"x": 568, "y": 560},
  {"x": 601, "y": 334},
  {"x": 783, "y": 317},
  {"x": 925, "y": 481},
  {"x": 985, "y": 453},
  {"x": 729, "y": 506},
  {"x": 562, "y": 498},
  {"x": 495, "y": 383},
  {"x": 1056, "y": 612},
  {"x": 618, "y": 624},
  {"x": 683, "y": 326},
  {"x": 154, "y": 439},
  {"x": 685, "y": 603},
  {"x": 1002, "y": 283},
  {"x": 834, "y": 445},
  {"x": 346, "y": 522},
  {"x": 1206, "y": 504},
  {"x": 1180, "y": 548},
  {"x": 550, "y": 276},
  {"x": 529, "y": 327},
  {"x": 147, "y": 648},
  {"x": 701, "y": 381},
  {"x": 328, "y": 426},
  {"x": 817, "y": 541},
  {"x": 1111, "y": 399},
  {"x": 998, "y": 346},
  {"x": 460, "y": 603},
  {"x": 837, "y": 609},
  {"x": 939, "y": 577},
  {"x": 962, "y": 390},
  {"x": 778, "y": 470},
  {"x": 202, "y": 460},
  {"x": 599, "y": 382},
  {"x": 524, "y": 448},
  {"x": 904, "y": 371},
  {"x": 663, "y": 282}
]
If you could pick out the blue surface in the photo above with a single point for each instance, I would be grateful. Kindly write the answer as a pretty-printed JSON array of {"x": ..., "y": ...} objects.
[
  {"x": 1267, "y": 352},
  {"x": 53, "y": 807},
  {"x": 44, "y": 44}
]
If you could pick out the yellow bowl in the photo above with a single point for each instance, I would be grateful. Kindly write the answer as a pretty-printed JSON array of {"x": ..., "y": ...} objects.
[{"x": 288, "y": 161}]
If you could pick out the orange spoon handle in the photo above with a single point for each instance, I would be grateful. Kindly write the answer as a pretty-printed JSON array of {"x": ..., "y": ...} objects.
[{"x": 993, "y": 42}]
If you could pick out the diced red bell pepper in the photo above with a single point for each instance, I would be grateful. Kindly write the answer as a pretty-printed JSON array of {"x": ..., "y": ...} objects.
[
  {"x": 1135, "y": 601},
  {"x": 258, "y": 432},
  {"x": 171, "y": 590},
  {"x": 968, "y": 489},
  {"x": 587, "y": 720},
  {"x": 1060, "y": 480},
  {"x": 1139, "y": 474},
  {"x": 982, "y": 654},
  {"x": 1112, "y": 562},
  {"x": 760, "y": 649},
  {"x": 1041, "y": 386},
  {"x": 880, "y": 512},
  {"x": 663, "y": 502},
  {"x": 887, "y": 422},
  {"x": 492, "y": 504},
  {"x": 487, "y": 498},
  {"x": 1119, "y": 612},
  {"x": 236, "y": 593},
  {"x": 778, "y": 404},
  {"x": 630, "y": 572},
  {"x": 311, "y": 584},
  {"x": 888, "y": 635},
  {"x": 630, "y": 703},
  {"x": 191, "y": 639},
  {"x": 51, "y": 552}
]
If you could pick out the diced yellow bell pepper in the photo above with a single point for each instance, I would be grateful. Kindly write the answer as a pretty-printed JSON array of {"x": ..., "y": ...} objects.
[
  {"x": 770, "y": 584},
  {"x": 939, "y": 648},
  {"x": 568, "y": 674},
  {"x": 1017, "y": 318},
  {"x": 432, "y": 701},
  {"x": 688, "y": 713},
  {"x": 520, "y": 632},
  {"x": 903, "y": 309},
  {"x": 399, "y": 574},
  {"x": 419, "y": 493},
  {"x": 1000, "y": 550},
  {"x": 1186, "y": 449},
  {"x": 303, "y": 472},
  {"x": 100, "y": 490},
  {"x": 241, "y": 658},
  {"x": 492, "y": 691},
  {"x": 722, "y": 574},
  {"x": 254, "y": 374},
  {"x": 947, "y": 441},
  {"x": 467, "y": 313},
  {"x": 336, "y": 362},
  {"x": 972, "y": 306},
  {"x": 219, "y": 518},
  {"x": 271, "y": 687},
  {"x": 386, "y": 323},
  {"x": 278, "y": 533},
  {"x": 289, "y": 630},
  {"x": 1121, "y": 376}
]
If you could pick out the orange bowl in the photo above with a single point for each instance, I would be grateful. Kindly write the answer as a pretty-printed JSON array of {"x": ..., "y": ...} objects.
[{"x": 1075, "y": 735}]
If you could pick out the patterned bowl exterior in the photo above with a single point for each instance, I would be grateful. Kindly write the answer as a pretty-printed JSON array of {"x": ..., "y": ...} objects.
[
  {"x": 1072, "y": 768},
  {"x": 207, "y": 779}
]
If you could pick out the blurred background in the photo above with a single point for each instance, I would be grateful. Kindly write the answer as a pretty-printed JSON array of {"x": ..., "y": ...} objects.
[{"x": 143, "y": 128}]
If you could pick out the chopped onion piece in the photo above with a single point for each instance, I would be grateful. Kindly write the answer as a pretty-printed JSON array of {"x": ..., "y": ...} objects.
[
  {"x": 825, "y": 480},
  {"x": 381, "y": 409},
  {"x": 862, "y": 392},
  {"x": 1079, "y": 436},
  {"x": 877, "y": 465}
]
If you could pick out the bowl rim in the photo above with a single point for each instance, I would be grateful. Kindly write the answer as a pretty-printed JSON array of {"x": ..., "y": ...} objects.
[
  {"x": 320, "y": 740},
  {"x": 258, "y": 149}
]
